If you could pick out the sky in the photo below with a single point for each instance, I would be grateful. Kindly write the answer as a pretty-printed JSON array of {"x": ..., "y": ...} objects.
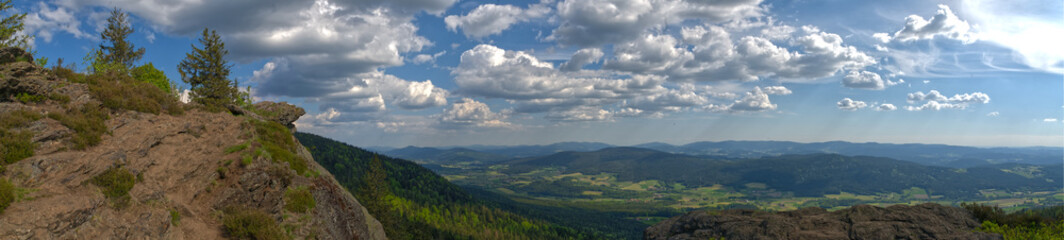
[{"x": 448, "y": 72}]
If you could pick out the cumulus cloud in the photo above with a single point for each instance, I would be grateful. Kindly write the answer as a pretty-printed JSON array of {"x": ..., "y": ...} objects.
[
  {"x": 46, "y": 22},
  {"x": 469, "y": 112},
  {"x": 1049, "y": 120},
  {"x": 776, "y": 90},
  {"x": 490, "y": 19},
  {"x": 581, "y": 58},
  {"x": 851, "y": 105},
  {"x": 867, "y": 80},
  {"x": 426, "y": 58},
  {"x": 993, "y": 114},
  {"x": 709, "y": 53},
  {"x": 535, "y": 86},
  {"x": 944, "y": 23},
  {"x": 754, "y": 101},
  {"x": 933, "y": 100},
  {"x": 598, "y": 22},
  {"x": 886, "y": 107}
]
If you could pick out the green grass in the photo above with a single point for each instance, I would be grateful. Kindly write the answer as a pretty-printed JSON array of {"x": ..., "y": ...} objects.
[
  {"x": 7, "y": 194},
  {"x": 279, "y": 144},
  {"x": 16, "y": 145},
  {"x": 248, "y": 223},
  {"x": 175, "y": 217},
  {"x": 122, "y": 92},
  {"x": 87, "y": 123},
  {"x": 298, "y": 199},
  {"x": 236, "y": 148},
  {"x": 115, "y": 183},
  {"x": 245, "y": 160},
  {"x": 29, "y": 98}
]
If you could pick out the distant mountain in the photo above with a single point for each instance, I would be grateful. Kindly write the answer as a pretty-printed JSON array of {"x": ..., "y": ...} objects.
[
  {"x": 928, "y": 154},
  {"x": 805, "y": 175},
  {"x": 446, "y": 156},
  {"x": 540, "y": 150}
]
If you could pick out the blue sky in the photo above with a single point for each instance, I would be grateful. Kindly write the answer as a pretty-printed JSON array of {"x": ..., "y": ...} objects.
[{"x": 447, "y": 72}]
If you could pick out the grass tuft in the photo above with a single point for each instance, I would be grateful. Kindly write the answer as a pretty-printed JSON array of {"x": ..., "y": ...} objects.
[
  {"x": 7, "y": 194},
  {"x": 248, "y": 223},
  {"x": 115, "y": 183},
  {"x": 175, "y": 217},
  {"x": 122, "y": 92},
  {"x": 87, "y": 123},
  {"x": 298, "y": 199},
  {"x": 236, "y": 148}
]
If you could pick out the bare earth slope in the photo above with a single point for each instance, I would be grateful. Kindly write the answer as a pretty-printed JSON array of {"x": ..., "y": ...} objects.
[
  {"x": 925, "y": 221},
  {"x": 182, "y": 170}
]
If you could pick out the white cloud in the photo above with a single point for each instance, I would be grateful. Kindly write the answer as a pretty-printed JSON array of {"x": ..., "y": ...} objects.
[
  {"x": 708, "y": 53},
  {"x": 581, "y": 58},
  {"x": 867, "y": 80},
  {"x": 944, "y": 23},
  {"x": 426, "y": 58},
  {"x": 1049, "y": 120},
  {"x": 46, "y": 22},
  {"x": 776, "y": 90},
  {"x": 469, "y": 112},
  {"x": 933, "y": 100},
  {"x": 535, "y": 86},
  {"x": 993, "y": 114},
  {"x": 886, "y": 107},
  {"x": 851, "y": 105},
  {"x": 599, "y": 22},
  {"x": 754, "y": 101},
  {"x": 1031, "y": 28},
  {"x": 490, "y": 19}
]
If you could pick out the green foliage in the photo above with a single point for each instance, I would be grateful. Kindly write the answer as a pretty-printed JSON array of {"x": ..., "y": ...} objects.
[
  {"x": 147, "y": 73},
  {"x": 87, "y": 123},
  {"x": 29, "y": 98},
  {"x": 236, "y": 148},
  {"x": 175, "y": 217},
  {"x": 10, "y": 28},
  {"x": 64, "y": 99},
  {"x": 7, "y": 194},
  {"x": 279, "y": 145},
  {"x": 207, "y": 71},
  {"x": 1042, "y": 231},
  {"x": 121, "y": 92},
  {"x": 245, "y": 160},
  {"x": 16, "y": 145},
  {"x": 1040, "y": 223},
  {"x": 115, "y": 183},
  {"x": 298, "y": 199},
  {"x": 120, "y": 52},
  {"x": 248, "y": 223}
]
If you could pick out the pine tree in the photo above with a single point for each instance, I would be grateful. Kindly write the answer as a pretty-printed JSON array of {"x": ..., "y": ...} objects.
[
  {"x": 375, "y": 185},
  {"x": 120, "y": 53},
  {"x": 207, "y": 71},
  {"x": 10, "y": 28}
]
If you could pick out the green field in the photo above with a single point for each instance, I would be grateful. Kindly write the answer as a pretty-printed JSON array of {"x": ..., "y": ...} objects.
[{"x": 651, "y": 200}]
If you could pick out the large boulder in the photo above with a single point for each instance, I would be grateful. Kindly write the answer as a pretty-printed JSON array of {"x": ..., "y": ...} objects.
[
  {"x": 280, "y": 112},
  {"x": 14, "y": 54},
  {"x": 925, "y": 221}
]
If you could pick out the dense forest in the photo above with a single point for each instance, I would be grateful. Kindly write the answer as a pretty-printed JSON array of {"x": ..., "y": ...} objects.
[
  {"x": 811, "y": 175},
  {"x": 422, "y": 205}
]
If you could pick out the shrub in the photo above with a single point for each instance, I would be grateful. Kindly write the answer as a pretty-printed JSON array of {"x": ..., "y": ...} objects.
[
  {"x": 121, "y": 92},
  {"x": 245, "y": 160},
  {"x": 15, "y": 146},
  {"x": 248, "y": 223},
  {"x": 298, "y": 199},
  {"x": 29, "y": 98},
  {"x": 147, "y": 73},
  {"x": 115, "y": 183},
  {"x": 7, "y": 194},
  {"x": 87, "y": 123},
  {"x": 221, "y": 172}
]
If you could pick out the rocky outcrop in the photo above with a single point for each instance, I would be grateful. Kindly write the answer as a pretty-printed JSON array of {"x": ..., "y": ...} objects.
[
  {"x": 185, "y": 173},
  {"x": 281, "y": 112},
  {"x": 925, "y": 221}
]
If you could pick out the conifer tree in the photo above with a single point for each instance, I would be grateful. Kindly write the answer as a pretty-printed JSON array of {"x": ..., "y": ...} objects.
[
  {"x": 121, "y": 52},
  {"x": 207, "y": 71},
  {"x": 10, "y": 27},
  {"x": 375, "y": 184}
]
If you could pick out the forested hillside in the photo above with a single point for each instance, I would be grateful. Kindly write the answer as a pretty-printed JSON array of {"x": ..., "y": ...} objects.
[{"x": 426, "y": 206}]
